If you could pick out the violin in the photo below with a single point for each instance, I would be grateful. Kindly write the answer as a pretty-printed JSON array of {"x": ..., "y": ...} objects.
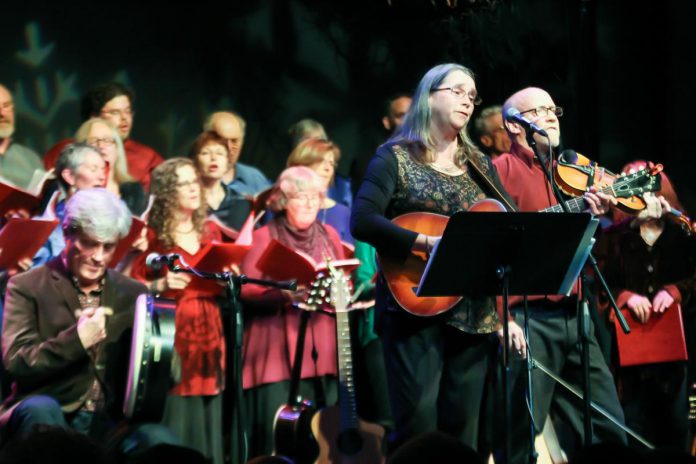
[{"x": 575, "y": 174}]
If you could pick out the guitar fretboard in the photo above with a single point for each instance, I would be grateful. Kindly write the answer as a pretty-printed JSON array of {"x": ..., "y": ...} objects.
[
  {"x": 577, "y": 205},
  {"x": 346, "y": 386}
]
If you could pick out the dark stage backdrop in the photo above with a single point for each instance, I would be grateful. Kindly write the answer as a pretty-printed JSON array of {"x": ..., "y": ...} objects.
[{"x": 622, "y": 71}]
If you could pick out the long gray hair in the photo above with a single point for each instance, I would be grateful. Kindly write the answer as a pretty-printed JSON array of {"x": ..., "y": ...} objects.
[{"x": 417, "y": 123}]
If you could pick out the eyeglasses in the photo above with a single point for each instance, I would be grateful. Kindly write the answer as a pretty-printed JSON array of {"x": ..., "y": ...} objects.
[
  {"x": 461, "y": 93},
  {"x": 307, "y": 197},
  {"x": 543, "y": 111},
  {"x": 107, "y": 141},
  {"x": 125, "y": 112},
  {"x": 186, "y": 184}
]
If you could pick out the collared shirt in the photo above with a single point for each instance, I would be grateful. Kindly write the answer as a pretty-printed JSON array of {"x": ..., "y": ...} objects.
[
  {"x": 94, "y": 398},
  {"x": 523, "y": 178},
  {"x": 233, "y": 209},
  {"x": 248, "y": 180},
  {"x": 341, "y": 190}
]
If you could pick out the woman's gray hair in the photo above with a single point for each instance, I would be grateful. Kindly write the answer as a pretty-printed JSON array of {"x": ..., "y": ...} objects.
[
  {"x": 70, "y": 158},
  {"x": 97, "y": 213},
  {"x": 291, "y": 181},
  {"x": 417, "y": 122}
]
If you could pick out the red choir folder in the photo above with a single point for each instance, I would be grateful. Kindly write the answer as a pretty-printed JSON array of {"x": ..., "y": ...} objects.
[
  {"x": 348, "y": 249},
  {"x": 215, "y": 257},
  {"x": 281, "y": 262},
  {"x": 228, "y": 233},
  {"x": 241, "y": 236},
  {"x": 125, "y": 244},
  {"x": 659, "y": 340},
  {"x": 136, "y": 228},
  {"x": 22, "y": 237},
  {"x": 13, "y": 198}
]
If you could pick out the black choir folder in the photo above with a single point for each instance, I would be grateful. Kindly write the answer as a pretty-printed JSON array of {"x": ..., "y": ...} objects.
[{"x": 543, "y": 251}]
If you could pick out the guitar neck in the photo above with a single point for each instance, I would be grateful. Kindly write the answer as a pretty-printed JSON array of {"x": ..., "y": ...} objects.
[
  {"x": 346, "y": 386},
  {"x": 576, "y": 205}
]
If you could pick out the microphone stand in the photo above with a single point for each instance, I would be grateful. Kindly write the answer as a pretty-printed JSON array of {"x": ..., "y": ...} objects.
[
  {"x": 583, "y": 316},
  {"x": 234, "y": 287}
]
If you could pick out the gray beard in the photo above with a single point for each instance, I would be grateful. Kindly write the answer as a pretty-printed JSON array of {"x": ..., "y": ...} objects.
[{"x": 6, "y": 130}]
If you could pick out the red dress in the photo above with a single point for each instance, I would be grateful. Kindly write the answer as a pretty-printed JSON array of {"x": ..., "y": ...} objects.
[
  {"x": 199, "y": 340},
  {"x": 271, "y": 323}
]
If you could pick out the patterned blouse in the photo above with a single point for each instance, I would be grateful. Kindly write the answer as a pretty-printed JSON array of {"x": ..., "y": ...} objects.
[{"x": 424, "y": 189}]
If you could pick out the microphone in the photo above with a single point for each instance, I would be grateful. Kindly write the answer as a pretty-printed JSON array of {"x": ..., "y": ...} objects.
[
  {"x": 155, "y": 261},
  {"x": 514, "y": 115}
]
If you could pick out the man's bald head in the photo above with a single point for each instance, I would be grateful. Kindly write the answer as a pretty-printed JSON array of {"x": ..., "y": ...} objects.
[
  {"x": 527, "y": 101},
  {"x": 231, "y": 127}
]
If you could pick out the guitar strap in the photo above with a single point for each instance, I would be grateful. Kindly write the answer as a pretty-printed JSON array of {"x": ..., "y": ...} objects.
[
  {"x": 319, "y": 393},
  {"x": 492, "y": 186}
]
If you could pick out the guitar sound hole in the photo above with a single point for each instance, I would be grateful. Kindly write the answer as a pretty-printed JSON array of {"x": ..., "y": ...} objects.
[{"x": 349, "y": 442}]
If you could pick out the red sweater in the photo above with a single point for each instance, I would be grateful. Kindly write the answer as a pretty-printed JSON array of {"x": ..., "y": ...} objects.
[{"x": 271, "y": 326}]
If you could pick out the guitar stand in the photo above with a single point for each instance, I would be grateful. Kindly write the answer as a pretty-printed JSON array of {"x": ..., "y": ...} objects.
[{"x": 234, "y": 287}]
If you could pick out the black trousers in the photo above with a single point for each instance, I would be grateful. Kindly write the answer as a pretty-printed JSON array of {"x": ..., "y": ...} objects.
[
  {"x": 370, "y": 377},
  {"x": 554, "y": 342},
  {"x": 435, "y": 376}
]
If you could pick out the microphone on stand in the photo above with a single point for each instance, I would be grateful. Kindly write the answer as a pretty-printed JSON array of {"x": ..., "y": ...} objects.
[
  {"x": 155, "y": 261},
  {"x": 514, "y": 115}
]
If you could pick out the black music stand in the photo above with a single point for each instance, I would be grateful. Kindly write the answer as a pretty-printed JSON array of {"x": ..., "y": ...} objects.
[{"x": 485, "y": 254}]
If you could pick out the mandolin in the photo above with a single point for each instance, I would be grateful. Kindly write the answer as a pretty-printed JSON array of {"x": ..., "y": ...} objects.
[
  {"x": 341, "y": 435},
  {"x": 402, "y": 277}
]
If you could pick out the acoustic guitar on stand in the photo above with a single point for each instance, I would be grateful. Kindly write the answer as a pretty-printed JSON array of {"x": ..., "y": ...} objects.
[
  {"x": 344, "y": 438},
  {"x": 402, "y": 276}
]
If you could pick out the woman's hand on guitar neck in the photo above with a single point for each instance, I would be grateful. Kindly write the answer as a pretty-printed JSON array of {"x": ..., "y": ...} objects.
[{"x": 424, "y": 243}]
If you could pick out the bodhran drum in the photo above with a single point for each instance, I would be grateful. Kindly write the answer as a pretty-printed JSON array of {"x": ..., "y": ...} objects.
[{"x": 152, "y": 359}]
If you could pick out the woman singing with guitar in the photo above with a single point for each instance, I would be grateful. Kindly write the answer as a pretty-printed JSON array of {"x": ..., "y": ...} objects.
[{"x": 435, "y": 366}]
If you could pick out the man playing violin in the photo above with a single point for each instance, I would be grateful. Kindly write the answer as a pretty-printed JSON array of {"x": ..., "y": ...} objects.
[{"x": 553, "y": 329}]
